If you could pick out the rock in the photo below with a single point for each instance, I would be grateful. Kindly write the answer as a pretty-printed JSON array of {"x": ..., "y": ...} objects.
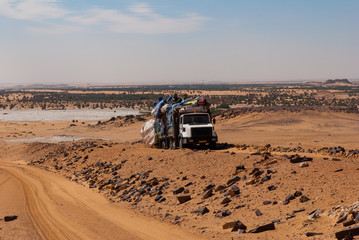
[
  {"x": 357, "y": 218},
  {"x": 233, "y": 180},
  {"x": 240, "y": 167},
  {"x": 258, "y": 213},
  {"x": 289, "y": 216},
  {"x": 298, "y": 194},
  {"x": 288, "y": 198},
  {"x": 223, "y": 213},
  {"x": 354, "y": 231},
  {"x": 239, "y": 226},
  {"x": 339, "y": 170},
  {"x": 266, "y": 202},
  {"x": 10, "y": 218},
  {"x": 230, "y": 224},
  {"x": 150, "y": 158},
  {"x": 310, "y": 234},
  {"x": 263, "y": 228},
  {"x": 178, "y": 191},
  {"x": 183, "y": 198},
  {"x": 298, "y": 159},
  {"x": 225, "y": 200},
  {"x": 342, "y": 218},
  {"x": 221, "y": 187},
  {"x": 234, "y": 191},
  {"x": 177, "y": 218},
  {"x": 272, "y": 188},
  {"x": 299, "y": 210},
  {"x": 188, "y": 184},
  {"x": 207, "y": 194},
  {"x": 303, "y": 199},
  {"x": 201, "y": 211},
  {"x": 303, "y": 165},
  {"x": 348, "y": 222},
  {"x": 210, "y": 186},
  {"x": 240, "y": 206}
]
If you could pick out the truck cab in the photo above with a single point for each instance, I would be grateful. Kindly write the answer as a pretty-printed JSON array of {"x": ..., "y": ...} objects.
[{"x": 196, "y": 129}]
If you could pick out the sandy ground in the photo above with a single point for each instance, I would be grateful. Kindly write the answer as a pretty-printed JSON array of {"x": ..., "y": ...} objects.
[{"x": 50, "y": 206}]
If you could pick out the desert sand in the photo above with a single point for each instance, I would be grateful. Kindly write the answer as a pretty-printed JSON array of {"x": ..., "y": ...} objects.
[{"x": 60, "y": 190}]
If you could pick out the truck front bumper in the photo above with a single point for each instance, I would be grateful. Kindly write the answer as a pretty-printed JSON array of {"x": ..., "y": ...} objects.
[{"x": 198, "y": 141}]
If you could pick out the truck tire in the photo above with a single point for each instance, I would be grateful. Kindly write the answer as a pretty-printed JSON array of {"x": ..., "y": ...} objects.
[
  {"x": 213, "y": 146},
  {"x": 172, "y": 144},
  {"x": 180, "y": 143}
]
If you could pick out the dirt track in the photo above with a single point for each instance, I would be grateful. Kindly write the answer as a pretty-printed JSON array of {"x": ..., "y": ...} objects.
[{"x": 57, "y": 209}]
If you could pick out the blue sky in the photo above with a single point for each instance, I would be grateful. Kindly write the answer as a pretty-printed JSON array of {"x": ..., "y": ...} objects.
[{"x": 167, "y": 41}]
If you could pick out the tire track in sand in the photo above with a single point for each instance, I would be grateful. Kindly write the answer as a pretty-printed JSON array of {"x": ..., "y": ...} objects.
[{"x": 60, "y": 209}]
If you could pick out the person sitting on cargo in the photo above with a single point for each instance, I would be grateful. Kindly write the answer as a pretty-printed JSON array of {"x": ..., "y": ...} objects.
[{"x": 176, "y": 99}]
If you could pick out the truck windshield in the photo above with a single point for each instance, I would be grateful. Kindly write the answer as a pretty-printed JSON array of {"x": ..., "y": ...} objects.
[{"x": 196, "y": 119}]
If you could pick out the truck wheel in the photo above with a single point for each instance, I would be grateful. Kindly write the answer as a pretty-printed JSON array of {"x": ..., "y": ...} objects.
[
  {"x": 172, "y": 144},
  {"x": 163, "y": 144},
  {"x": 180, "y": 143},
  {"x": 212, "y": 146}
]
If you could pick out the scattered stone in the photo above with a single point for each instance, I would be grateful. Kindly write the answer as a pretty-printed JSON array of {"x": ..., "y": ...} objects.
[
  {"x": 310, "y": 234},
  {"x": 298, "y": 159},
  {"x": 178, "y": 191},
  {"x": 298, "y": 194},
  {"x": 336, "y": 159},
  {"x": 183, "y": 198},
  {"x": 230, "y": 224},
  {"x": 240, "y": 167},
  {"x": 339, "y": 170},
  {"x": 233, "y": 180},
  {"x": 150, "y": 158},
  {"x": 342, "y": 218},
  {"x": 263, "y": 228},
  {"x": 299, "y": 210},
  {"x": 201, "y": 211},
  {"x": 303, "y": 199},
  {"x": 240, "y": 206},
  {"x": 221, "y": 187},
  {"x": 210, "y": 186},
  {"x": 288, "y": 198},
  {"x": 354, "y": 231},
  {"x": 266, "y": 202},
  {"x": 258, "y": 213},
  {"x": 272, "y": 188},
  {"x": 188, "y": 184},
  {"x": 303, "y": 165},
  {"x": 348, "y": 222},
  {"x": 234, "y": 191},
  {"x": 10, "y": 218},
  {"x": 225, "y": 200},
  {"x": 239, "y": 226},
  {"x": 207, "y": 194},
  {"x": 289, "y": 216}
]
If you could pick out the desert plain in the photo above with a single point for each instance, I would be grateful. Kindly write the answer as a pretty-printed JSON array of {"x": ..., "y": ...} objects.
[{"x": 293, "y": 170}]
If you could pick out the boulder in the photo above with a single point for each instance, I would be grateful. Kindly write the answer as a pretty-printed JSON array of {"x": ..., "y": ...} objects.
[
  {"x": 263, "y": 228},
  {"x": 10, "y": 218},
  {"x": 354, "y": 231},
  {"x": 233, "y": 191},
  {"x": 207, "y": 194},
  {"x": 183, "y": 198}
]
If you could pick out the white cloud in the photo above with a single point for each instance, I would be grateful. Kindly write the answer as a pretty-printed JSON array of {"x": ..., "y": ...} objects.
[
  {"x": 140, "y": 21},
  {"x": 57, "y": 29},
  {"x": 139, "y": 18},
  {"x": 32, "y": 9}
]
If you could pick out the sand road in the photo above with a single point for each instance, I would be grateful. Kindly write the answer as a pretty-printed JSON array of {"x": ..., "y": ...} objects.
[{"x": 51, "y": 207}]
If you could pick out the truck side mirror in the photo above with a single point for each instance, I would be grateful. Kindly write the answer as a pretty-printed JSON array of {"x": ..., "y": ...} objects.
[{"x": 214, "y": 121}]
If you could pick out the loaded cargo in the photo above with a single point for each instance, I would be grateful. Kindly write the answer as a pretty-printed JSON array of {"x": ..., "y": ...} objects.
[{"x": 179, "y": 124}]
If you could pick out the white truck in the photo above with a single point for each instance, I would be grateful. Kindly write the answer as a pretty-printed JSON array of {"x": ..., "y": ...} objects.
[{"x": 191, "y": 127}]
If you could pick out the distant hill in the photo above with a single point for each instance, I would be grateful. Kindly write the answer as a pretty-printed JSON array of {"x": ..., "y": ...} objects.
[{"x": 337, "y": 81}]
